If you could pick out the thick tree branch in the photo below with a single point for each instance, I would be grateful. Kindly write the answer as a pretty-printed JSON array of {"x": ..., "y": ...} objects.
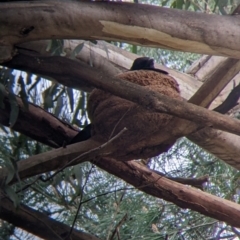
[
  {"x": 63, "y": 67},
  {"x": 222, "y": 144},
  {"x": 218, "y": 71},
  {"x": 188, "y": 84},
  {"x": 185, "y": 197},
  {"x": 52, "y": 160},
  {"x": 44, "y": 127},
  {"x": 115, "y": 56},
  {"x": 215, "y": 82},
  {"x": 191, "y": 31},
  {"x": 38, "y": 223},
  {"x": 139, "y": 176}
]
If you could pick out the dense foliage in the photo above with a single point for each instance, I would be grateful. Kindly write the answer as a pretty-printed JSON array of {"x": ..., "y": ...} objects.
[{"x": 106, "y": 204}]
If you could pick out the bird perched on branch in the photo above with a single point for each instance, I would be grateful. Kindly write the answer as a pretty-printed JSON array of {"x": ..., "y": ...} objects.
[
  {"x": 109, "y": 114},
  {"x": 145, "y": 63}
]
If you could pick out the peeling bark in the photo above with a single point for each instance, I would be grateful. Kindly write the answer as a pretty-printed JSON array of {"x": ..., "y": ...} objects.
[
  {"x": 219, "y": 150},
  {"x": 162, "y": 27},
  {"x": 110, "y": 26},
  {"x": 115, "y": 57},
  {"x": 65, "y": 70},
  {"x": 185, "y": 197}
]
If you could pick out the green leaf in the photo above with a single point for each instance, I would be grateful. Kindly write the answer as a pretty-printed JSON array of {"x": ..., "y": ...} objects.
[
  {"x": 78, "y": 175},
  {"x": 4, "y": 129},
  {"x": 55, "y": 47},
  {"x": 49, "y": 46},
  {"x": 12, "y": 168},
  {"x": 14, "y": 109},
  {"x": 77, "y": 50},
  {"x": 179, "y": 4},
  {"x": 29, "y": 78},
  {"x": 59, "y": 106},
  {"x": 2, "y": 95},
  {"x": 11, "y": 172},
  {"x": 23, "y": 93},
  {"x": 187, "y": 4},
  {"x": 14, "y": 163},
  {"x": 106, "y": 49},
  {"x": 134, "y": 49},
  {"x": 38, "y": 78},
  {"x": 221, "y": 6},
  {"x": 164, "y": 3},
  {"x": 48, "y": 95},
  {"x": 12, "y": 195},
  {"x": 70, "y": 97}
]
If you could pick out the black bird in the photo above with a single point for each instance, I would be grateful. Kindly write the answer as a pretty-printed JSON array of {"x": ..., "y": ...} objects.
[
  {"x": 142, "y": 63},
  {"x": 145, "y": 63},
  {"x": 83, "y": 135}
]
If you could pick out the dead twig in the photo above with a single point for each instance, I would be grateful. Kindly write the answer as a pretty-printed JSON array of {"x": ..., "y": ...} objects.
[{"x": 100, "y": 151}]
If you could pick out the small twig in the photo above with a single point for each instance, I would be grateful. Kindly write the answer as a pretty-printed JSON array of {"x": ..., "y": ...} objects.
[
  {"x": 80, "y": 204},
  {"x": 28, "y": 185},
  {"x": 93, "y": 153},
  {"x": 111, "y": 226},
  {"x": 118, "y": 123},
  {"x": 116, "y": 230},
  {"x": 103, "y": 194},
  {"x": 195, "y": 182}
]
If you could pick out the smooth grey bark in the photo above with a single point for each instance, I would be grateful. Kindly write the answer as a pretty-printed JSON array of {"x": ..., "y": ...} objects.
[{"x": 133, "y": 23}]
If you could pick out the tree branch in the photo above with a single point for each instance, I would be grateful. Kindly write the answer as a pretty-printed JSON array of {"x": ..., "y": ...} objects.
[
  {"x": 44, "y": 128},
  {"x": 38, "y": 223},
  {"x": 149, "y": 99},
  {"x": 227, "y": 146},
  {"x": 215, "y": 82},
  {"x": 195, "y": 182},
  {"x": 139, "y": 176},
  {"x": 185, "y": 197},
  {"x": 205, "y": 33}
]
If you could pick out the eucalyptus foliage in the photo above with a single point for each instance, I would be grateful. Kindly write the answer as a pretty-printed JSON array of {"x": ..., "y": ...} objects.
[{"x": 106, "y": 201}]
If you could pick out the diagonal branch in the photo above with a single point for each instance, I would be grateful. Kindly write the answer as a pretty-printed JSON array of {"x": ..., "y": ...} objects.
[
  {"x": 43, "y": 126},
  {"x": 222, "y": 144},
  {"x": 138, "y": 94},
  {"x": 137, "y": 175},
  {"x": 38, "y": 223},
  {"x": 215, "y": 82},
  {"x": 185, "y": 197}
]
